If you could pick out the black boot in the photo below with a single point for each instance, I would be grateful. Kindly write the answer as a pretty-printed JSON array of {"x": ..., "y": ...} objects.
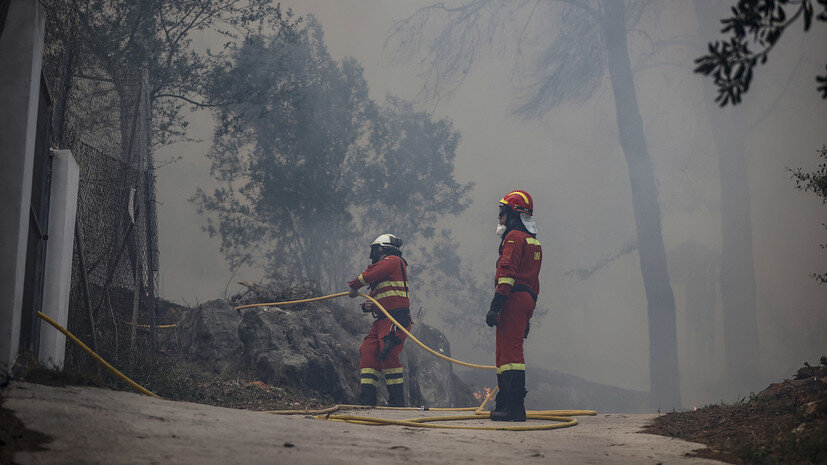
[
  {"x": 500, "y": 398},
  {"x": 367, "y": 395},
  {"x": 396, "y": 395},
  {"x": 514, "y": 384}
]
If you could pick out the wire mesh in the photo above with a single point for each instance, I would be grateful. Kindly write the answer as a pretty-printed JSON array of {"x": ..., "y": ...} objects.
[{"x": 102, "y": 114}]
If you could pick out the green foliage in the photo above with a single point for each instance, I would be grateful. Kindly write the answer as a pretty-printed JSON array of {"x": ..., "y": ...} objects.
[
  {"x": 100, "y": 47},
  {"x": 313, "y": 169},
  {"x": 730, "y": 62},
  {"x": 817, "y": 183}
]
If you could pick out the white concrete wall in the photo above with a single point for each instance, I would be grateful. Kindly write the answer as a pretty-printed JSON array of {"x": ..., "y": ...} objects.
[
  {"x": 21, "y": 58},
  {"x": 58, "y": 277}
]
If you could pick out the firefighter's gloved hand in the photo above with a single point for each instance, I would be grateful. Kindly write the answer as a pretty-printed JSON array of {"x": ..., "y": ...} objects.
[
  {"x": 367, "y": 306},
  {"x": 491, "y": 318},
  {"x": 353, "y": 293},
  {"x": 497, "y": 303},
  {"x": 527, "y": 327}
]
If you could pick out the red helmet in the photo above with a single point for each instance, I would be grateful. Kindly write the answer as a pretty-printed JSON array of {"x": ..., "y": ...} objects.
[{"x": 519, "y": 202}]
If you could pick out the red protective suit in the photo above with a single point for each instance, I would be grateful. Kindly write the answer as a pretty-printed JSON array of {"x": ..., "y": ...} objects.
[
  {"x": 518, "y": 269},
  {"x": 388, "y": 282}
]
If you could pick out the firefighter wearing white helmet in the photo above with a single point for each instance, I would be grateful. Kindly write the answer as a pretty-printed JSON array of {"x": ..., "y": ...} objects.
[{"x": 387, "y": 278}]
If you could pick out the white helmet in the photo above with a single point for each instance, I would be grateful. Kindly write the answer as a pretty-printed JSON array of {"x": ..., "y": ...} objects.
[
  {"x": 387, "y": 240},
  {"x": 390, "y": 245}
]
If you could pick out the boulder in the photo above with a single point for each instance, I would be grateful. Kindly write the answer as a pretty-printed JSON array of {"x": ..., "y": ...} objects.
[
  {"x": 314, "y": 346},
  {"x": 301, "y": 348},
  {"x": 209, "y": 334},
  {"x": 430, "y": 380}
]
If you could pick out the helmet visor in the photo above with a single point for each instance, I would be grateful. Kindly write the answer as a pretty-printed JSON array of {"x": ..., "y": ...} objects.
[
  {"x": 503, "y": 210},
  {"x": 375, "y": 253}
]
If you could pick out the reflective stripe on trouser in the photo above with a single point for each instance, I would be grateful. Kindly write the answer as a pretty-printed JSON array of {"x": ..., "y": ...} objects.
[
  {"x": 373, "y": 345},
  {"x": 369, "y": 376},
  {"x": 511, "y": 331},
  {"x": 393, "y": 376}
]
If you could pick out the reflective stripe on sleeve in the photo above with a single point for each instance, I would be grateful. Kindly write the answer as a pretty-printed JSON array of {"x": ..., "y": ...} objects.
[
  {"x": 362, "y": 280},
  {"x": 510, "y": 366},
  {"x": 532, "y": 241},
  {"x": 509, "y": 281}
]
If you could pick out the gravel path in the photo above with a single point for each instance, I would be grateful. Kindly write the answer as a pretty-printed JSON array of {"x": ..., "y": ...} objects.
[{"x": 90, "y": 426}]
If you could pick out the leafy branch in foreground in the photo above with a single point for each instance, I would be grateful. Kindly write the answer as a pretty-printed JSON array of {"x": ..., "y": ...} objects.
[
  {"x": 730, "y": 62},
  {"x": 815, "y": 182}
]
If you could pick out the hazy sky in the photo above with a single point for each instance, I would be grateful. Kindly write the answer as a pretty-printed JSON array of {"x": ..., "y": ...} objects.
[{"x": 572, "y": 164}]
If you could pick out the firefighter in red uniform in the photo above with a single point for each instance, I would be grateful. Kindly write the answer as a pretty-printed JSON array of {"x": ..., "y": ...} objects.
[
  {"x": 517, "y": 287},
  {"x": 387, "y": 277}
]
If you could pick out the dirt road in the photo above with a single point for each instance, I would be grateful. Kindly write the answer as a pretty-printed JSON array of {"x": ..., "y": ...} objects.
[{"x": 90, "y": 425}]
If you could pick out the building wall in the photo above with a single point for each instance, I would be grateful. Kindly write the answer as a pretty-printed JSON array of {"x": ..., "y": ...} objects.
[{"x": 21, "y": 55}]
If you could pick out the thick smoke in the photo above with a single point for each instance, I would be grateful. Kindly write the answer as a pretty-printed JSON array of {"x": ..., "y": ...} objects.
[{"x": 571, "y": 162}]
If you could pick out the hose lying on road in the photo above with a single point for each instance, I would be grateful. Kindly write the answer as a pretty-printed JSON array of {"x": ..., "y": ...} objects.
[{"x": 563, "y": 418}]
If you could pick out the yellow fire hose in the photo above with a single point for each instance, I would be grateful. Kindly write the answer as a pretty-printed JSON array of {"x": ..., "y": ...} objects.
[
  {"x": 97, "y": 357},
  {"x": 562, "y": 417},
  {"x": 396, "y": 323}
]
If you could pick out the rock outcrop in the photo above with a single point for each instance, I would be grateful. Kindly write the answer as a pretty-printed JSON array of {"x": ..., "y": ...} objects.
[
  {"x": 302, "y": 348},
  {"x": 209, "y": 334},
  {"x": 313, "y": 346},
  {"x": 432, "y": 382}
]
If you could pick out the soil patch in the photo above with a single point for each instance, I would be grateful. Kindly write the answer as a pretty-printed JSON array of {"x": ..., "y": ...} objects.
[
  {"x": 179, "y": 379},
  {"x": 785, "y": 423}
]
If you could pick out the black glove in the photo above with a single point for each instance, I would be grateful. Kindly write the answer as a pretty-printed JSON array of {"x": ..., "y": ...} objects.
[
  {"x": 527, "y": 327},
  {"x": 391, "y": 340},
  {"x": 353, "y": 293},
  {"x": 497, "y": 303}
]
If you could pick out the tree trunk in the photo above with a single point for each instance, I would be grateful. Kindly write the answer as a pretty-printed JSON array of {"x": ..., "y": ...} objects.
[
  {"x": 737, "y": 267},
  {"x": 663, "y": 354}
]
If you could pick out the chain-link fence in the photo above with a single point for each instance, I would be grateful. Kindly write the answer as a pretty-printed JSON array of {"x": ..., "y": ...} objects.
[{"x": 102, "y": 114}]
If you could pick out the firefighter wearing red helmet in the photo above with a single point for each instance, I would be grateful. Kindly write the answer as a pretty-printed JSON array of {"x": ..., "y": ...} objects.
[
  {"x": 388, "y": 280},
  {"x": 517, "y": 287}
]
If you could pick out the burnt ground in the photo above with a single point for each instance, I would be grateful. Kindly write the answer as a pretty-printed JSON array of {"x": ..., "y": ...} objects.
[{"x": 785, "y": 423}]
